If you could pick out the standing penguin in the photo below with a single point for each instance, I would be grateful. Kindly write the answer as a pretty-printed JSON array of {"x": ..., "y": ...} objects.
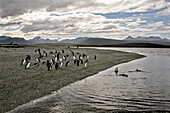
[
  {"x": 85, "y": 63},
  {"x": 81, "y": 61},
  {"x": 45, "y": 53},
  {"x": 48, "y": 65},
  {"x": 95, "y": 57},
  {"x": 28, "y": 58},
  {"x": 27, "y": 65},
  {"x": 57, "y": 66},
  {"x": 61, "y": 64},
  {"x": 78, "y": 62},
  {"x": 67, "y": 63},
  {"x": 116, "y": 70},
  {"x": 62, "y": 51},
  {"x": 38, "y": 60},
  {"x": 23, "y": 62}
]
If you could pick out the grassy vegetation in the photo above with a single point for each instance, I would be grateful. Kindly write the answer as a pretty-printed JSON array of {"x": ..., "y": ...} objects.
[{"x": 19, "y": 85}]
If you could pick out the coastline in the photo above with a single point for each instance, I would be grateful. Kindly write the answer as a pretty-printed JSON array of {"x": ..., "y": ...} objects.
[{"x": 28, "y": 87}]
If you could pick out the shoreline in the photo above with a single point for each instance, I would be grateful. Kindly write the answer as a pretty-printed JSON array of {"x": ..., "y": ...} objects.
[
  {"x": 31, "y": 106},
  {"x": 38, "y": 85}
]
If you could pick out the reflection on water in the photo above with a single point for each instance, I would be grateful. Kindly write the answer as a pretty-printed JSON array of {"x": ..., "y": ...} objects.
[{"x": 148, "y": 90}]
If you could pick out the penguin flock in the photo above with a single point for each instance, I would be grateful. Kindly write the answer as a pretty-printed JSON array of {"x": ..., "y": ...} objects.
[{"x": 56, "y": 59}]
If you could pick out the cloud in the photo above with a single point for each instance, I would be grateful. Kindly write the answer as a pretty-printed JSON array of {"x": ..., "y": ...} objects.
[
  {"x": 10, "y": 24},
  {"x": 82, "y": 17},
  {"x": 19, "y": 7}
]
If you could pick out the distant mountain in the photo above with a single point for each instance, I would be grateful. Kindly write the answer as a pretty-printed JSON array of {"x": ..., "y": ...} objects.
[
  {"x": 150, "y": 39},
  {"x": 8, "y": 40},
  {"x": 4, "y": 37},
  {"x": 38, "y": 39},
  {"x": 102, "y": 41}
]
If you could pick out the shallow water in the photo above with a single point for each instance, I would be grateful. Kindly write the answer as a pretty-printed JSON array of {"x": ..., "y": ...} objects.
[{"x": 148, "y": 90}]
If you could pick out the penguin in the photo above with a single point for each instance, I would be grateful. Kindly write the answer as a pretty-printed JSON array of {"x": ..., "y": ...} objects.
[
  {"x": 71, "y": 52},
  {"x": 116, "y": 70},
  {"x": 124, "y": 75},
  {"x": 57, "y": 66},
  {"x": 85, "y": 63},
  {"x": 45, "y": 54},
  {"x": 84, "y": 55},
  {"x": 28, "y": 58},
  {"x": 38, "y": 60},
  {"x": 55, "y": 59},
  {"x": 61, "y": 64},
  {"x": 95, "y": 57},
  {"x": 60, "y": 60},
  {"x": 36, "y": 64},
  {"x": 58, "y": 55},
  {"x": 62, "y": 51},
  {"x": 43, "y": 62},
  {"x": 78, "y": 62},
  {"x": 74, "y": 57},
  {"x": 55, "y": 50},
  {"x": 51, "y": 52},
  {"x": 39, "y": 52},
  {"x": 81, "y": 61},
  {"x": 52, "y": 61},
  {"x": 27, "y": 65},
  {"x": 67, "y": 63},
  {"x": 64, "y": 57},
  {"x": 23, "y": 62},
  {"x": 80, "y": 57},
  {"x": 48, "y": 65},
  {"x": 75, "y": 61},
  {"x": 67, "y": 55}
]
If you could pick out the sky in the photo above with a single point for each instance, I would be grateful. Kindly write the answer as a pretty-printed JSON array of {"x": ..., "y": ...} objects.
[{"x": 62, "y": 19}]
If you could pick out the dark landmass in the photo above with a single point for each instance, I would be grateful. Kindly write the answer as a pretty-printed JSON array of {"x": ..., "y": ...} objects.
[
  {"x": 128, "y": 40},
  {"x": 151, "y": 41},
  {"x": 9, "y": 40},
  {"x": 101, "y": 41}
]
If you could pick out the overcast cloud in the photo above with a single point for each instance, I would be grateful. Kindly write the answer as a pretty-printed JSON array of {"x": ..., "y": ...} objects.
[{"x": 107, "y": 18}]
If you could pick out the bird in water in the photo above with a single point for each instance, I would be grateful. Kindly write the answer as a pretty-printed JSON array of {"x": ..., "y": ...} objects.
[{"x": 116, "y": 70}]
